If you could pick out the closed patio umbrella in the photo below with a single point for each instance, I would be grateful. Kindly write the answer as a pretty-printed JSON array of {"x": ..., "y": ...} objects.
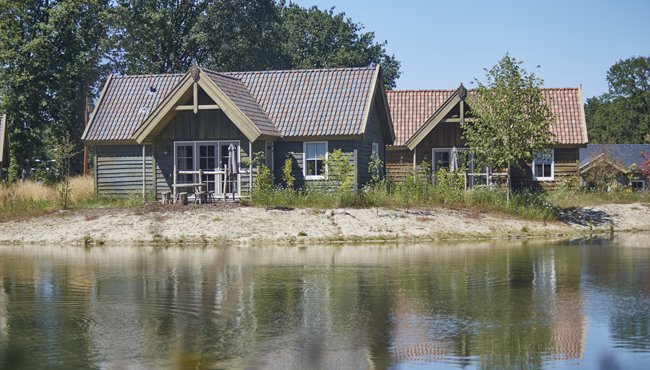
[
  {"x": 454, "y": 162},
  {"x": 232, "y": 161}
]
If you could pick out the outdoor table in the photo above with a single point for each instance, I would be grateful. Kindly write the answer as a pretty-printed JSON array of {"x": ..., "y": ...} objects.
[{"x": 197, "y": 187}]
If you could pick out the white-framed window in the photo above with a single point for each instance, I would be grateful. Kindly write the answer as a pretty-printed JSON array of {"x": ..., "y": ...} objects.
[
  {"x": 544, "y": 165},
  {"x": 314, "y": 155},
  {"x": 637, "y": 184}
]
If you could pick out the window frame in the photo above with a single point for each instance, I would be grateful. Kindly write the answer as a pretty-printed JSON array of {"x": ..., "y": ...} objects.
[
  {"x": 545, "y": 159},
  {"x": 472, "y": 179},
  {"x": 196, "y": 159},
  {"x": 305, "y": 159},
  {"x": 643, "y": 185}
]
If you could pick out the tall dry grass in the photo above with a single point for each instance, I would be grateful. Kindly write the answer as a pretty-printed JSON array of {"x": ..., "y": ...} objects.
[
  {"x": 27, "y": 190},
  {"x": 83, "y": 188}
]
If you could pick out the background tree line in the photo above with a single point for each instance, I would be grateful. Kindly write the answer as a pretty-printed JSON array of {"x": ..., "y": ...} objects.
[
  {"x": 55, "y": 53},
  {"x": 622, "y": 115}
]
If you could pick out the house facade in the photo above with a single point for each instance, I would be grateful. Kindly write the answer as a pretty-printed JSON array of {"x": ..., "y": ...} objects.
[
  {"x": 614, "y": 165},
  {"x": 427, "y": 131},
  {"x": 148, "y": 129}
]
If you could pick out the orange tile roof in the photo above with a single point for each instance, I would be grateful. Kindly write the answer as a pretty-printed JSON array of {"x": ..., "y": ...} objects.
[{"x": 410, "y": 109}]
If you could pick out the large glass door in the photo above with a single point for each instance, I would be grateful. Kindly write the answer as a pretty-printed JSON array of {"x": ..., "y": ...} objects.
[
  {"x": 208, "y": 162},
  {"x": 207, "y": 156},
  {"x": 185, "y": 162}
]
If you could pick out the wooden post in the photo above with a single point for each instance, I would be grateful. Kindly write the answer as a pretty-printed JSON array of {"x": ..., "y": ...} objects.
[
  {"x": 174, "y": 183},
  {"x": 86, "y": 146},
  {"x": 144, "y": 172},
  {"x": 356, "y": 171},
  {"x": 153, "y": 170},
  {"x": 196, "y": 97},
  {"x": 415, "y": 150},
  {"x": 95, "y": 171},
  {"x": 250, "y": 170},
  {"x": 225, "y": 181}
]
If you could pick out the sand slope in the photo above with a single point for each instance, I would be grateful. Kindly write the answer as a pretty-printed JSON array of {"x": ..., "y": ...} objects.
[{"x": 232, "y": 223}]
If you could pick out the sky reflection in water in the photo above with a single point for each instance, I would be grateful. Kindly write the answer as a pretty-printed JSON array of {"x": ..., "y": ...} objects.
[{"x": 488, "y": 305}]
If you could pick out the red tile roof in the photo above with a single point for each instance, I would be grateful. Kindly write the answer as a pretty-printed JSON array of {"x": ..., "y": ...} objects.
[{"x": 410, "y": 109}]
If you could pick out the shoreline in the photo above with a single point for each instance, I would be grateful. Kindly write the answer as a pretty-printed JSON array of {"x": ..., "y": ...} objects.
[{"x": 233, "y": 224}]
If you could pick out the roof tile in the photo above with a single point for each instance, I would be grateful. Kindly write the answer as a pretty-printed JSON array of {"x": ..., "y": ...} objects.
[{"x": 410, "y": 109}]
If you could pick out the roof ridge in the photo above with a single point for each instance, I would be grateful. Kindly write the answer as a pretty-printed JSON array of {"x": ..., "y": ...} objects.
[
  {"x": 419, "y": 90},
  {"x": 305, "y": 70},
  {"x": 222, "y": 74},
  {"x": 150, "y": 75}
]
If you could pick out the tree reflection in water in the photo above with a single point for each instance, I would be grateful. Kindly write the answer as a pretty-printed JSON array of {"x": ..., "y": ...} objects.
[{"x": 488, "y": 305}]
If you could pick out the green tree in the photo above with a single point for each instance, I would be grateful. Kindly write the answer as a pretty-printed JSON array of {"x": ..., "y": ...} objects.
[
  {"x": 158, "y": 36},
  {"x": 622, "y": 115},
  {"x": 511, "y": 118},
  {"x": 243, "y": 35},
  {"x": 51, "y": 58},
  {"x": 321, "y": 39}
]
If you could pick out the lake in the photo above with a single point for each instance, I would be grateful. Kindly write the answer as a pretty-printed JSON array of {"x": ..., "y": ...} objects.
[{"x": 532, "y": 304}]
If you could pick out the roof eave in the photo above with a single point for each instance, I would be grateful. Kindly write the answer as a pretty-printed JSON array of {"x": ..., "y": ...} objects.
[{"x": 163, "y": 113}]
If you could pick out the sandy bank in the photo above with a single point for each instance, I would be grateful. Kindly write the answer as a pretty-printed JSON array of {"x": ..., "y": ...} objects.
[{"x": 232, "y": 223}]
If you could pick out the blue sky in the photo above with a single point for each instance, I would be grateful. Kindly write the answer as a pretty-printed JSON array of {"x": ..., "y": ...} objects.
[{"x": 444, "y": 43}]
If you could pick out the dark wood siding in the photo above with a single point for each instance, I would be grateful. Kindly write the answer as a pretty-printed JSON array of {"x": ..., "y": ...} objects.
[
  {"x": 398, "y": 162},
  {"x": 567, "y": 165},
  {"x": 119, "y": 169},
  {"x": 294, "y": 150},
  {"x": 210, "y": 124},
  {"x": 374, "y": 134}
]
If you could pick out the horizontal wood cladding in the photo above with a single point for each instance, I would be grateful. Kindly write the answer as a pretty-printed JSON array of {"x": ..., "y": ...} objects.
[
  {"x": 119, "y": 169},
  {"x": 294, "y": 151},
  {"x": 398, "y": 163},
  {"x": 566, "y": 166}
]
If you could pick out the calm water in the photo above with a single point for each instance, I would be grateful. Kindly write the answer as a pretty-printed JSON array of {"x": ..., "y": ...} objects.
[{"x": 494, "y": 305}]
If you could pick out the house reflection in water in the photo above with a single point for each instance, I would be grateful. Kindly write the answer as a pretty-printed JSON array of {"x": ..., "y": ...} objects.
[{"x": 499, "y": 303}]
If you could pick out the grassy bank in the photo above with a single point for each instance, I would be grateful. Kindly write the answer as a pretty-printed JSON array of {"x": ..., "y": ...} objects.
[
  {"x": 524, "y": 204},
  {"x": 24, "y": 200}
]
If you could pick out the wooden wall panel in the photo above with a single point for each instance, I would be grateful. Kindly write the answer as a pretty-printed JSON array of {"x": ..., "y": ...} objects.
[{"x": 119, "y": 169}]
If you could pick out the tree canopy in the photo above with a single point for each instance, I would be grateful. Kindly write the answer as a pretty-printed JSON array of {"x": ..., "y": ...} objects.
[
  {"x": 622, "y": 115},
  {"x": 50, "y": 58},
  {"x": 511, "y": 118},
  {"x": 322, "y": 39},
  {"x": 55, "y": 53}
]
